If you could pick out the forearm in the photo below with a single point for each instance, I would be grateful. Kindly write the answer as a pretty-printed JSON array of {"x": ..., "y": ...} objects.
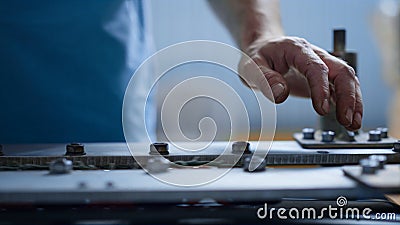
[
  {"x": 289, "y": 64},
  {"x": 249, "y": 20}
]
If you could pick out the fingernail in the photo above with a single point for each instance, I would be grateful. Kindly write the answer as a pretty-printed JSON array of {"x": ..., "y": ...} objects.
[
  {"x": 357, "y": 118},
  {"x": 325, "y": 106},
  {"x": 278, "y": 90},
  {"x": 349, "y": 115}
]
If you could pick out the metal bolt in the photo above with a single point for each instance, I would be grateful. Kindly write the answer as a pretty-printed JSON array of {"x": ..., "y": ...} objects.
[
  {"x": 241, "y": 147},
  {"x": 384, "y": 132},
  {"x": 159, "y": 148},
  {"x": 382, "y": 159},
  {"x": 351, "y": 136},
  {"x": 369, "y": 166},
  {"x": 328, "y": 136},
  {"x": 60, "y": 166},
  {"x": 157, "y": 165},
  {"x": 257, "y": 160},
  {"x": 74, "y": 149},
  {"x": 374, "y": 135},
  {"x": 396, "y": 146},
  {"x": 308, "y": 133}
]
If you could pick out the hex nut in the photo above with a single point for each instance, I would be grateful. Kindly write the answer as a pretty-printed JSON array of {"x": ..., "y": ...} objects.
[
  {"x": 241, "y": 147},
  {"x": 259, "y": 160},
  {"x": 159, "y": 148},
  {"x": 396, "y": 146},
  {"x": 369, "y": 166},
  {"x": 351, "y": 136},
  {"x": 384, "y": 131},
  {"x": 374, "y": 135},
  {"x": 308, "y": 133},
  {"x": 382, "y": 159},
  {"x": 75, "y": 149},
  {"x": 60, "y": 166},
  {"x": 328, "y": 136}
]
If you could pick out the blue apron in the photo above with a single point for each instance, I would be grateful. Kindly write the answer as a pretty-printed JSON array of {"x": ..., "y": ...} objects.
[{"x": 65, "y": 66}]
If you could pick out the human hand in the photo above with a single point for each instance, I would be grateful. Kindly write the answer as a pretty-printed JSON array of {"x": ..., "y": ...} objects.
[{"x": 291, "y": 65}]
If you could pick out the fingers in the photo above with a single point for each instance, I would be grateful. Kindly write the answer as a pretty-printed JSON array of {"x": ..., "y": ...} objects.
[
  {"x": 268, "y": 81},
  {"x": 358, "y": 110},
  {"x": 349, "y": 106},
  {"x": 321, "y": 70},
  {"x": 298, "y": 53},
  {"x": 345, "y": 97}
]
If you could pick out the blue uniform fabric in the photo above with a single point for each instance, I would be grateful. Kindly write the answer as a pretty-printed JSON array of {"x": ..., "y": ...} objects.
[{"x": 64, "y": 67}]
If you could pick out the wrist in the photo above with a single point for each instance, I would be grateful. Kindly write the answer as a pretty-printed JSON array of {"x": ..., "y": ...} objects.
[{"x": 259, "y": 22}]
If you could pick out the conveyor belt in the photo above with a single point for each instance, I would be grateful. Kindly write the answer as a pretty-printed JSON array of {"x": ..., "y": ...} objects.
[{"x": 117, "y": 155}]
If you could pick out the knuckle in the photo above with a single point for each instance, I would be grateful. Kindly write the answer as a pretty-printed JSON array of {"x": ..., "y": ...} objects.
[
  {"x": 290, "y": 41},
  {"x": 357, "y": 82},
  {"x": 256, "y": 66},
  {"x": 249, "y": 64},
  {"x": 315, "y": 68},
  {"x": 262, "y": 80},
  {"x": 346, "y": 98},
  {"x": 256, "y": 59},
  {"x": 253, "y": 49},
  {"x": 347, "y": 70},
  {"x": 302, "y": 41},
  {"x": 271, "y": 77},
  {"x": 320, "y": 65},
  {"x": 324, "y": 68},
  {"x": 351, "y": 71},
  {"x": 244, "y": 65}
]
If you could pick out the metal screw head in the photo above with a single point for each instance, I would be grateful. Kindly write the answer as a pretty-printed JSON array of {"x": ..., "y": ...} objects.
[
  {"x": 75, "y": 149},
  {"x": 261, "y": 161},
  {"x": 308, "y": 133},
  {"x": 369, "y": 166},
  {"x": 351, "y": 136},
  {"x": 157, "y": 165},
  {"x": 382, "y": 159},
  {"x": 374, "y": 135},
  {"x": 384, "y": 131},
  {"x": 241, "y": 147},
  {"x": 396, "y": 146},
  {"x": 60, "y": 166},
  {"x": 159, "y": 148},
  {"x": 328, "y": 136}
]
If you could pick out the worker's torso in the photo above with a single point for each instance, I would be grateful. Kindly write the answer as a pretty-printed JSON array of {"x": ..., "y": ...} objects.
[{"x": 65, "y": 66}]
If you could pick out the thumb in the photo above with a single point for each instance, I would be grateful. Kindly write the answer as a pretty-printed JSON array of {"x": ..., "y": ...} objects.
[{"x": 256, "y": 73}]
